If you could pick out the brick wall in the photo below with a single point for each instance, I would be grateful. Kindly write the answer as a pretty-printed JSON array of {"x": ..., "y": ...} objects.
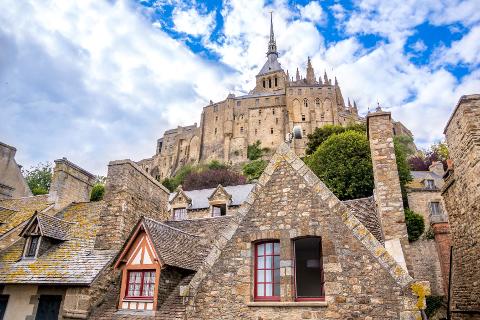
[
  {"x": 130, "y": 193},
  {"x": 462, "y": 198}
]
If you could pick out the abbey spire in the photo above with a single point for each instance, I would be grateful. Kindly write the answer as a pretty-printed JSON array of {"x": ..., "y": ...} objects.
[{"x": 272, "y": 45}]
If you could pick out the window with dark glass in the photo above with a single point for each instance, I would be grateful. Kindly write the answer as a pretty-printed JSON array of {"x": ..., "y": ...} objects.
[
  {"x": 32, "y": 246},
  {"x": 309, "y": 280},
  {"x": 267, "y": 271},
  {"x": 269, "y": 83},
  {"x": 430, "y": 184},
  {"x": 179, "y": 214},
  {"x": 275, "y": 81},
  {"x": 303, "y": 117},
  {"x": 140, "y": 284},
  {"x": 219, "y": 210},
  {"x": 435, "y": 208}
]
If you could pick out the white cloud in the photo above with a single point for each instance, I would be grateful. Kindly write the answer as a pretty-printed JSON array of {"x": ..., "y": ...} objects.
[
  {"x": 190, "y": 21},
  {"x": 313, "y": 12},
  {"x": 419, "y": 46},
  {"x": 463, "y": 51}
]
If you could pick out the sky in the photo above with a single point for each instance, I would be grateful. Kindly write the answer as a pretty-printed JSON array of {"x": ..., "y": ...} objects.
[{"x": 96, "y": 81}]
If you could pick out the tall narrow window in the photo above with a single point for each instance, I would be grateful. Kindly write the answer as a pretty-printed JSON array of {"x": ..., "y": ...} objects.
[
  {"x": 275, "y": 81},
  {"x": 32, "y": 246},
  {"x": 305, "y": 103},
  {"x": 141, "y": 284},
  {"x": 264, "y": 83},
  {"x": 219, "y": 210},
  {"x": 267, "y": 271},
  {"x": 215, "y": 130},
  {"x": 241, "y": 129},
  {"x": 179, "y": 214},
  {"x": 303, "y": 117},
  {"x": 271, "y": 130},
  {"x": 269, "y": 83},
  {"x": 309, "y": 280},
  {"x": 430, "y": 184},
  {"x": 435, "y": 208},
  {"x": 276, "y": 120}
]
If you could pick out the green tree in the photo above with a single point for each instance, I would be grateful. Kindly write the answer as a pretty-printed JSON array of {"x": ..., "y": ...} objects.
[
  {"x": 343, "y": 163},
  {"x": 254, "y": 151},
  {"x": 254, "y": 169},
  {"x": 216, "y": 165},
  {"x": 321, "y": 134},
  {"x": 173, "y": 182},
  {"x": 406, "y": 144},
  {"x": 97, "y": 193},
  {"x": 39, "y": 178},
  {"x": 415, "y": 224}
]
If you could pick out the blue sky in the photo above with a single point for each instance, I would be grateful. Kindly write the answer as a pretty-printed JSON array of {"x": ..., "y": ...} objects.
[{"x": 96, "y": 81}]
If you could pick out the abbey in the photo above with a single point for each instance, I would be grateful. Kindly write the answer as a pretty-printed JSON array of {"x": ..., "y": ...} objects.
[{"x": 276, "y": 104}]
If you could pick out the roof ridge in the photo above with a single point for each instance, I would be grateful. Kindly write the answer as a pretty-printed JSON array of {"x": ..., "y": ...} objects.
[
  {"x": 59, "y": 219},
  {"x": 173, "y": 228},
  {"x": 203, "y": 218}
]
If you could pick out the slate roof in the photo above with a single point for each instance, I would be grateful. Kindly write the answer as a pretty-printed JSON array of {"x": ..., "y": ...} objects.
[
  {"x": 53, "y": 227},
  {"x": 74, "y": 261},
  {"x": 420, "y": 176},
  {"x": 200, "y": 197},
  {"x": 176, "y": 247},
  {"x": 271, "y": 65},
  {"x": 21, "y": 210},
  {"x": 364, "y": 209}
]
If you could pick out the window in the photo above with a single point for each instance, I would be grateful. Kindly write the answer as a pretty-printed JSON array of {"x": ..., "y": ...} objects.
[
  {"x": 219, "y": 210},
  {"x": 259, "y": 121},
  {"x": 255, "y": 131},
  {"x": 264, "y": 83},
  {"x": 269, "y": 83},
  {"x": 303, "y": 117},
  {"x": 241, "y": 129},
  {"x": 259, "y": 112},
  {"x": 215, "y": 108},
  {"x": 309, "y": 280},
  {"x": 215, "y": 130},
  {"x": 273, "y": 111},
  {"x": 317, "y": 103},
  {"x": 141, "y": 284},
  {"x": 32, "y": 246},
  {"x": 430, "y": 184},
  {"x": 271, "y": 130},
  {"x": 267, "y": 271},
  {"x": 48, "y": 306},
  {"x": 239, "y": 103},
  {"x": 3, "y": 305},
  {"x": 179, "y": 213},
  {"x": 275, "y": 81},
  {"x": 277, "y": 100},
  {"x": 276, "y": 120},
  {"x": 305, "y": 103},
  {"x": 435, "y": 208},
  {"x": 216, "y": 118},
  {"x": 257, "y": 101},
  {"x": 299, "y": 91}
]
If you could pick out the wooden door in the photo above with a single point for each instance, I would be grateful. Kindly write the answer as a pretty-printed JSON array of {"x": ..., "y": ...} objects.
[{"x": 48, "y": 307}]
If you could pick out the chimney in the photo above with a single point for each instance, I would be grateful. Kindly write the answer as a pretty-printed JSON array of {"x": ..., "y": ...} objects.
[
  {"x": 70, "y": 183},
  {"x": 12, "y": 182},
  {"x": 437, "y": 168},
  {"x": 387, "y": 193}
]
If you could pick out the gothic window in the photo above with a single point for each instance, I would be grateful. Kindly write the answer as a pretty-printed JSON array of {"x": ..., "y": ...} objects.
[
  {"x": 219, "y": 210},
  {"x": 179, "y": 214},
  {"x": 32, "y": 246},
  {"x": 275, "y": 81},
  {"x": 309, "y": 279},
  {"x": 140, "y": 284},
  {"x": 303, "y": 117},
  {"x": 264, "y": 83},
  {"x": 271, "y": 130},
  {"x": 146, "y": 169},
  {"x": 317, "y": 103},
  {"x": 305, "y": 103},
  {"x": 273, "y": 111},
  {"x": 435, "y": 208},
  {"x": 269, "y": 83},
  {"x": 267, "y": 271}
]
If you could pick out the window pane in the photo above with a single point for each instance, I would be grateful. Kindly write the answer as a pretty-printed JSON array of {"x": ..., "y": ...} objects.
[
  {"x": 276, "y": 262},
  {"x": 276, "y": 290},
  {"x": 261, "y": 249},
  {"x": 269, "y": 262},
  {"x": 268, "y": 275},
  {"x": 260, "y": 290},
  {"x": 269, "y": 248},
  {"x": 277, "y": 275},
  {"x": 276, "y": 249},
  {"x": 268, "y": 289},
  {"x": 261, "y": 263},
  {"x": 260, "y": 276}
]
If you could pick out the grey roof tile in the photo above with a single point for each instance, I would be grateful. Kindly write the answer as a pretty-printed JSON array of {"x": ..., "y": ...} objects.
[{"x": 365, "y": 210}]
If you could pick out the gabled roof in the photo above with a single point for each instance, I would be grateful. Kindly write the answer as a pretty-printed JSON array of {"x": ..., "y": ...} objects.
[
  {"x": 365, "y": 210},
  {"x": 51, "y": 227},
  {"x": 271, "y": 65},
  {"x": 175, "y": 247},
  {"x": 200, "y": 197},
  {"x": 73, "y": 262},
  {"x": 220, "y": 189},
  {"x": 179, "y": 192}
]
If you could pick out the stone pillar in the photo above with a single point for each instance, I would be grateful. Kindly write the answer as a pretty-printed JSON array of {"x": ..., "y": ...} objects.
[
  {"x": 70, "y": 183},
  {"x": 388, "y": 195}
]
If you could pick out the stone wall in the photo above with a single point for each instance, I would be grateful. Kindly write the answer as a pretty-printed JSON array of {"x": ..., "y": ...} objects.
[
  {"x": 12, "y": 182},
  {"x": 462, "y": 198},
  {"x": 130, "y": 193},
  {"x": 285, "y": 208},
  {"x": 70, "y": 183},
  {"x": 419, "y": 200}
]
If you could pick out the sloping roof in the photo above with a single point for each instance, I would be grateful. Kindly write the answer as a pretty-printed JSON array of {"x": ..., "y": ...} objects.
[
  {"x": 176, "y": 247},
  {"x": 74, "y": 261},
  {"x": 364, "y": 209},
  {"x": 271, "y": 65},
  {"x": 22, "y": 209},
  {"x": 418, "y": 177},
  {"x": 5, "y": 214},
  {"x": 205, "y": 227},
  {"x": 200, "y": 197},
  {"x": 51, "y": 227}
]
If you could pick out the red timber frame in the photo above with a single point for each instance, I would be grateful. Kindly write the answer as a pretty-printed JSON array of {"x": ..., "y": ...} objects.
[
  {"x": 266, "y": 269},
  {"x": 138, "y": 242},
  {"x": 294, "y": 260}
]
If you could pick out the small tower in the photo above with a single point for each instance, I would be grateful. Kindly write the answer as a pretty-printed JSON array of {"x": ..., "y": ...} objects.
[
  {"x": 310, "y": 72},
  {"x": 297, "y": 76},
  {"x": 325, "y": 77}
]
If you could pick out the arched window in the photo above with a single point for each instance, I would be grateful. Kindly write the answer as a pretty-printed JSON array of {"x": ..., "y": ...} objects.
[
  {"x": 267, "y": 271},
  {"x": 317, "y": 103},
  {"x": 305, "y": 103},
  {"x": 309, "y": 278}
]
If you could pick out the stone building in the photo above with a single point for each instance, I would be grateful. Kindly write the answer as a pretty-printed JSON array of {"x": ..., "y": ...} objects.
[
  {"x": 269, "y": 111},
  {"x": 12, "y": 182},
  {"x": 461, "y": 193}
]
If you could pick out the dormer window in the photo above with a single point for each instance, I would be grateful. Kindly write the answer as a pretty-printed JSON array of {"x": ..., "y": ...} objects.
[
  {"x": 219, "y": 210},
  {"x": 429, "y": 184},
  {"x": 32, "y": 246},
  {"x": 179, "y": 214}
]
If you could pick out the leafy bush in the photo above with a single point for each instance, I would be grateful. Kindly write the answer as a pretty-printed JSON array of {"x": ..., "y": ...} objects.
[
  {"x": 39, "y": 178},
  {"x": 437, "y": 152},
  {"x": 254, "y": 151},
  {"x": 321, "y": 134},
  {"x": 97, "y": 192},
  {"x": 415, "y": 225},
  {"x": 173, "y": 182},
  {"x": 254, "y": 169},
  {"x": 215, "y": 165},
  {"x": 429, "y": 235},
  {"x": 343, "y": 163},
  {"x": 433, "y": 304},
  {"x": 211, "y": 178}
]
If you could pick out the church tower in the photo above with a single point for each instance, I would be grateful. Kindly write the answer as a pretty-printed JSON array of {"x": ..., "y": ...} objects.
[{"x": 271, "y": 77}]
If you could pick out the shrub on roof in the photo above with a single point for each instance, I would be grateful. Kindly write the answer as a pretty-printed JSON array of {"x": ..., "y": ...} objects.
[{"x": 97, "y": 192}]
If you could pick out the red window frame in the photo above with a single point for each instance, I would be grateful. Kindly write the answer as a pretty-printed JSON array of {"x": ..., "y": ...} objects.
[
  {"x": 322, "y": 275},
  {"x": 142, "y": 283},
  {"x": 265, "y": 269}
]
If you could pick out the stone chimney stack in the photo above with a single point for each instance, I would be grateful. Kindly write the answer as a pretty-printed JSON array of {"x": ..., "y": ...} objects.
[
  {"x": 437, "y": 168},
  {"x": 388, "y": 195},
  {"x": 12, "y": 182},
  {"x": 70, "y": 183}
]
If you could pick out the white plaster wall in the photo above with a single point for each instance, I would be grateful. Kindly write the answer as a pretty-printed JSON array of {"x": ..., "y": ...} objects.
[{"x": 19, "y": 307}]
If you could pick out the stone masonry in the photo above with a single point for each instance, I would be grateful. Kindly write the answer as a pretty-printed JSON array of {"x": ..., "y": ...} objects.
[
  {"x": 12, "y": 183},
  {"x": 462, "y": 198}
]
